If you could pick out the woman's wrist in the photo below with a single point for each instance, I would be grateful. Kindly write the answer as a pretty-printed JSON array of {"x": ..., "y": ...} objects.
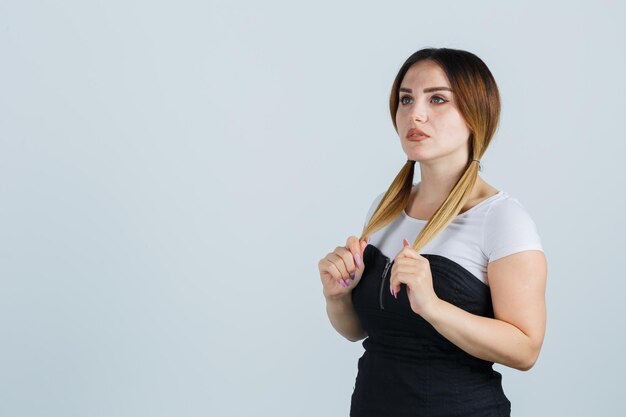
[
  {"x": 345, "y": 298},
  {"x": 431, "y": 310}
]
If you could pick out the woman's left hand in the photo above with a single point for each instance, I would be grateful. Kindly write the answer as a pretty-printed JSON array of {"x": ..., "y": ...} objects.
[{"x": 413, "y": 269}]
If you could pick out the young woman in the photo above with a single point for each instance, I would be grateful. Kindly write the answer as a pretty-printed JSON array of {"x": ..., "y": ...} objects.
[{"x": 470, "y": 290}]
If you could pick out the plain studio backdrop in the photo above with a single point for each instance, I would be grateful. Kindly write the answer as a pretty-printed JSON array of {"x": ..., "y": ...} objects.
[{"x": 171, "y": 173}]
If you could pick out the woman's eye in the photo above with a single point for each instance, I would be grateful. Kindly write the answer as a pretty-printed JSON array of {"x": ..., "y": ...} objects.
[{"x": 442, "y": 100}]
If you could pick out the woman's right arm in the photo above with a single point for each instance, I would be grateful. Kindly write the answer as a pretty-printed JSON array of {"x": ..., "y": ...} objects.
[
  {"x": 340, "y": 272},
  {"x": 344, "y": 319}
]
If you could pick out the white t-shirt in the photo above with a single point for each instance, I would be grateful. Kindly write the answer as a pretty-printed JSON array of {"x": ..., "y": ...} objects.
[{"x": 496, "y": 227}]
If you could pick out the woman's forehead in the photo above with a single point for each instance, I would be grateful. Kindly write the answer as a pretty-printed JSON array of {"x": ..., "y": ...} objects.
[{"x": 424, "y": 75}]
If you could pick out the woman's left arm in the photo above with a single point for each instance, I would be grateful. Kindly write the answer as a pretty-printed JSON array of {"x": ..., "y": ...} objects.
[{"x": 514, "y": 337}]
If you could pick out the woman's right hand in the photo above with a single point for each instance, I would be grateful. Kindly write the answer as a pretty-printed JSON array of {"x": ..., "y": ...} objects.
[{"x": 341, "y": 270}]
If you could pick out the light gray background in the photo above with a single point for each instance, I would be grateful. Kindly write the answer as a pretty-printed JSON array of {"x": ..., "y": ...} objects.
[{"x": 172, "y": 172}]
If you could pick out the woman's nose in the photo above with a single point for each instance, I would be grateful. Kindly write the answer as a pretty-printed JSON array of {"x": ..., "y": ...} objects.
[
  {"x": 419, "y": 117},
  {"x": 418, "y": 113}
]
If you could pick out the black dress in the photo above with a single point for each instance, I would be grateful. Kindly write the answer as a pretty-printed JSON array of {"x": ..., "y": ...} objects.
[{"x": 410, "y": 369}]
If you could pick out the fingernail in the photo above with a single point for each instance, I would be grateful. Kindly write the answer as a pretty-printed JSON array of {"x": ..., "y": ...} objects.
[
  {"x": 343, "y": 283},
  {"x": 352, "y": 275},
  {"x": 346, "y": 282},
  {"x": 358, "y": 260},
  {"x": 395, "y": 294}
]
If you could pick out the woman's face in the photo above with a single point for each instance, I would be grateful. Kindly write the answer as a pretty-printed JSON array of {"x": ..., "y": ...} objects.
[{"x": 424, "y": 106}]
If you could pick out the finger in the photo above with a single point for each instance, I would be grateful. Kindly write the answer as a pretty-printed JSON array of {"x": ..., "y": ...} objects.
[
  {"x": 355, "y": 248},
  {"x": 355, "y": 259},
  {"x": 401, "y": 252},
  {"x": 337, "y": 270},
  {"x": 401, "y": 273},
  {"x": 395, "y": 282},
  {"x": 349, "y": 263},
  {"x": 408, "y": 251},
  {"x": 340, "y": 268},
  {"x": 329, "y": 266}
]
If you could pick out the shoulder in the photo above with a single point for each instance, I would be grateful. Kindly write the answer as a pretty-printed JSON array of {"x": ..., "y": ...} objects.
[
  {"x": 507, "y": 208},
  {"x": 509, "y": 228},
  {"x": 373, "y": 205}
]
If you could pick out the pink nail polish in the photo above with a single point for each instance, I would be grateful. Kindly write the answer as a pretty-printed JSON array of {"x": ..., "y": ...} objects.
[
  {"x": 343, "y": 283},
  {"x": 357, "y": 257}
]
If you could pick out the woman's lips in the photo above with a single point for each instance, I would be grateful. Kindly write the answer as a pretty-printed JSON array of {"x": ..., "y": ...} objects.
[
  {"x": 417, "y": 138},
  {"x": 416, "y": 135}
]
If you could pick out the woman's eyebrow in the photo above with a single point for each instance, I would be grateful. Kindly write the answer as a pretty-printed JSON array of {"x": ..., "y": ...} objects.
[{"x": 426, "y": 90}]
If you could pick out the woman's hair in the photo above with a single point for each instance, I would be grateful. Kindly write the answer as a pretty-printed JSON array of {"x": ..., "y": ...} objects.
[{"x": 478, "y": 100}]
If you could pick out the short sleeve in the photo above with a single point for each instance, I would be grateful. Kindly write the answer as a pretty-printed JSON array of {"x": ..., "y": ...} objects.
[
  {"x": 373, "y": 207},
  {"x": 509, "y": 229}
]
